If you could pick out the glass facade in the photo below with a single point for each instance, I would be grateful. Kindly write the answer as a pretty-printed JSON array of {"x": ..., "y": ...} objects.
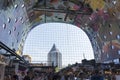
[{"x": 55, "y": 57}]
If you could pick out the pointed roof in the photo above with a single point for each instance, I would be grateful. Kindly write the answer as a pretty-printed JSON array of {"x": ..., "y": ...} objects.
[{"x": 54, "y": 48}]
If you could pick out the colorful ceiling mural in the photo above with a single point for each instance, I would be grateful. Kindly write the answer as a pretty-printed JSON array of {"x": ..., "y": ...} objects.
[{"x": 100, "y": 19}]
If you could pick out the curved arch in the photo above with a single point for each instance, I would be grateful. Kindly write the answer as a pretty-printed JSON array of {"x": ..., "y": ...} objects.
[
  {"x": 71, "y": 41},
  {"x": 101, "y": 23}
]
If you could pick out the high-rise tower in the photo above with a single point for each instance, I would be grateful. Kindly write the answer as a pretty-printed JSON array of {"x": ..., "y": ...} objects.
[{"x": 55, "y": 57}]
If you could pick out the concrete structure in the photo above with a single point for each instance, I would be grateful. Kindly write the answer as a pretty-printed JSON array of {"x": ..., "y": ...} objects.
[{"x": 55, "y": 57}]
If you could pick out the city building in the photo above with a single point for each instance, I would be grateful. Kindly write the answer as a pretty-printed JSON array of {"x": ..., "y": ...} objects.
[
  {"x": 55, "y": 57},
  {"x": 27, "y": 58}
]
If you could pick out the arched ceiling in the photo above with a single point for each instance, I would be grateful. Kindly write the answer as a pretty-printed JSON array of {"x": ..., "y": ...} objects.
[
  {"x": 78, "y": 12},
  {"x": 98, "y": 18}
]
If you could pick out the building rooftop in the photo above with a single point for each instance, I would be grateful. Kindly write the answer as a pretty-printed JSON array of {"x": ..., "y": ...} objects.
[{"x": 53, "y": 49}]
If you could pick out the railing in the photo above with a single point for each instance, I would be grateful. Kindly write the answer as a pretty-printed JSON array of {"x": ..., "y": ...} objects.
[
  {"x": 3, "y": 46},
  {"x": 41, "y": 63}
]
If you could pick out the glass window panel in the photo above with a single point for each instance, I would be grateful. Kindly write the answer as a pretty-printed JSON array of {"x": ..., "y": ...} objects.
[
  {"x": 105, "y": 37},
  {"x": 16, "y": 6},
  {"x": 118, "y": 36},
  {"x": 15, "y": 20},
  {"x": 23, "y": 6},
  {"x": 8, "y": 20},
  {"x": 118, "y": 51},
  {"x": 14, "y": 28},
  {"x": 9, "y": 32},
  {"x": 111, "y": 33},
  {"x": 4, "y": 26},
  {"x": 113, "y": 47}
]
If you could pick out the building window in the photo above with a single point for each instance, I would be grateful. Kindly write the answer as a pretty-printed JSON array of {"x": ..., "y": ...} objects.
[
  {"x": 105, "y": 43},
  {"x": 111, "y": 33},
  {"x": 118, "y": 36},
  {"x": 112, "y": 47},
  {"x": 105, "y": 37},
  {"x": 16, "y": 6},
  {"x": 14, "y": 28},
  {"x": 119, "y": 52},
  {"x": 15, "y": 20},
  {"x": 23, "y": 6},
  {"x": 90, "y": 18},
  {"x": 114, "y": 2},
  {"x": 18, "y": 34},
  {"x": 107, "y": 55},
  {"x": 8, "y": 20},
  {"x": 110, "y": 25},
  {"x": 4, "y": 26},
  {"x": 116, "y": 61},
  {"x": 9, "y": 32},
  {"x": 21, "y": 18}
]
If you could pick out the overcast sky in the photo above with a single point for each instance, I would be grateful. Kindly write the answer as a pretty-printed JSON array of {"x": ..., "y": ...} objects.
[{"x": 71, "y": 41}]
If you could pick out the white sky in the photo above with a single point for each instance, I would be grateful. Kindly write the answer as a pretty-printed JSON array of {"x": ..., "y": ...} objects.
[{"x": 71, "y": 41}]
